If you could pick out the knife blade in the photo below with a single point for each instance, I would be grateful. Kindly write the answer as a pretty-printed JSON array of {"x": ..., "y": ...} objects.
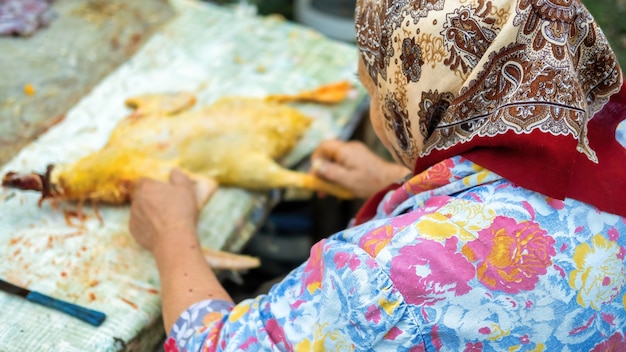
[{"x": 89, "y": 316}]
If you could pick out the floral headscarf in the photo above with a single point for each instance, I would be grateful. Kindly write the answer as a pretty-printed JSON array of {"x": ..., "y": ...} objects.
[{"x": 518, "y": 86}]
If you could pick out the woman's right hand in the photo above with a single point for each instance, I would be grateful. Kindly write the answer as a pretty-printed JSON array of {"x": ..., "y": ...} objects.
[
  {"x": 355, "y": 167},
  {"x": 163, "y": 209},
  {"x": 163, "y": 219}
]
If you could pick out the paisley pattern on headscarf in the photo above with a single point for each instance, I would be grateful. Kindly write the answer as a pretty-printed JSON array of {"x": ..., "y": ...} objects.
[
  {"x": 523, "y": 77},
  {"x": 510, "y": 65}
]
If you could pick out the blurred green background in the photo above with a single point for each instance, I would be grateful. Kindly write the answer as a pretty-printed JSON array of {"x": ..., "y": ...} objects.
[{"x": 610, "y": 14}]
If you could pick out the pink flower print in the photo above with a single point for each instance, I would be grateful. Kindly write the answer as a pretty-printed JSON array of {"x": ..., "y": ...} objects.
[
  {"x": 584, "y": 327},
  {"x": 374, "y": 241},
  {"x": 419, "y": 348},
  {"x": 400, "y": 195},
  {"x": 170, "y": 345},
  {"x": 613, "y": 234},
  {"x": 212, "y": 338},
  {"x": 249, "y": 342},
  {"x": 397, "y": 197},
  {"x": 371, "y": 263},
  {"x": 354, "y": 262},
  {"x": 615, "y": 343},
  {"x": 609, "y": 318},
  {"x": 560, "y": 270},
  {"x": 555, "y": 203},
  {"x": 314, "y": 269},
  {"x": 373, "y": 314},
  {"x": 298, "y": 303},
  {"x": 393, "y": 333},
  {"x": 432, "y": 205},
  {"x": 529, "y": 209},
  {"x": 434, "y": 177},
  {"x": 277, "y": 334},
  {"x": 436, "y": 338},
  {"x": 473, "y": 347},
  {"x": 407, "y": 219},
  {"x": 428, "y": 271},
  {"x": 511, "y": 256},
  {"x": 342, "y": 259}
]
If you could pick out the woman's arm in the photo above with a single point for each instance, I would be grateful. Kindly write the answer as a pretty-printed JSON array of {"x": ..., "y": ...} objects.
[
  {"x": 325, "y": 302},
  {"x": 163, "y": 220},
  {"x": 186, "y": 278}
]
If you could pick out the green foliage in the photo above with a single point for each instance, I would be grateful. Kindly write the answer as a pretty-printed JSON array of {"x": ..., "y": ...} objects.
[
  {"x": 610, "y": 15},
  {"x": 282, "y": 7}
]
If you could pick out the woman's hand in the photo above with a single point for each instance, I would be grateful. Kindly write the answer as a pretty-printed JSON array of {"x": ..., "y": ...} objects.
[
  {"x": 355, "y": 167},
  {"x": 163, "y": 219},
  {"x": 160, "y": 209}
]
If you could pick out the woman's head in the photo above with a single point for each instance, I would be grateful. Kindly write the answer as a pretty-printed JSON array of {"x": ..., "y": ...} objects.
[
  {"x": 450, "y": 75},
  {"x": 375, "y": 111},
  {"x": 526, "y": 88}
]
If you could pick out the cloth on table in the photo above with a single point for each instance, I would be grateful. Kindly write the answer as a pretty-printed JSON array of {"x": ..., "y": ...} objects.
[{"x": 24, "y": 17}]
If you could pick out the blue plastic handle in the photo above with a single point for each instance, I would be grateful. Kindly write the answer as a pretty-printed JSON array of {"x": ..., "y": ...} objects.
[{"x": 89, "y": 316}]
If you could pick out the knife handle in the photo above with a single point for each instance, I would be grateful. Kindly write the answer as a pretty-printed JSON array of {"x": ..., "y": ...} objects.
[{"x": 89, "y": 316}]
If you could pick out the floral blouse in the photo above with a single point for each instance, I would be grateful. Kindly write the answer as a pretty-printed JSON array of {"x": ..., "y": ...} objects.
[{"x": 457, "y": 259}]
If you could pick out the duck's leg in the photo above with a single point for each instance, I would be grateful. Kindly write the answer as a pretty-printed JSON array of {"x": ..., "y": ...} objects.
[
  {"x": 226, "y": 260},
  {"x": 204, "y": 187},
  {"x": 327, "y": 94},
  {"x": 258, "y": 171}
]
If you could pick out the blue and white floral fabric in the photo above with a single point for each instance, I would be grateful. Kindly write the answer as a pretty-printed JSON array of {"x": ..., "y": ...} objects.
[{"x": 457, "y": 259}]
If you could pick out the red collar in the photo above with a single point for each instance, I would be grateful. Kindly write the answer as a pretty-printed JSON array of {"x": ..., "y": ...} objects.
[{"x": 547, "y": 164}]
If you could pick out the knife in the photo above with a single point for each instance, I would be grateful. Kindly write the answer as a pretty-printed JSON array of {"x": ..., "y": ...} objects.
[{"x": 89, "y": 316}]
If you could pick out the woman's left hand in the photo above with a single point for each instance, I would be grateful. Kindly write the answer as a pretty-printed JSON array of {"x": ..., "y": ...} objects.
[
  {"x": 160, "y": 210},
  {"x": 354, "y": 166}
]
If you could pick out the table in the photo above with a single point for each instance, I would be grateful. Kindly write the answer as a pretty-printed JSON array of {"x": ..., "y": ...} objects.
[
  {"x": 205, "y": 49},
  {"x": 61, "y": 63}
]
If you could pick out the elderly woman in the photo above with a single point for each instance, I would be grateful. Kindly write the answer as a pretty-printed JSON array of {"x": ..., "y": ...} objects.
[{"x": 510, "y": 235}]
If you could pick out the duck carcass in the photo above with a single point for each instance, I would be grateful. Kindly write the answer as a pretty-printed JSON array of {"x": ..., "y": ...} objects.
[{"x": 235, "y": 141}]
